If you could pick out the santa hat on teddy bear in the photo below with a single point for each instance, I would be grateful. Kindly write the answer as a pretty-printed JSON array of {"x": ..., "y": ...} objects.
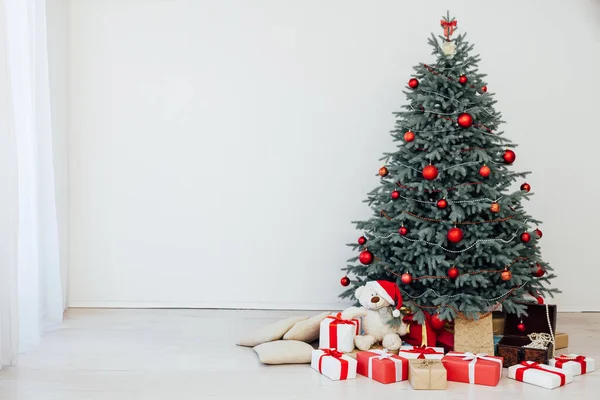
[{"x": 389, "y": 292}]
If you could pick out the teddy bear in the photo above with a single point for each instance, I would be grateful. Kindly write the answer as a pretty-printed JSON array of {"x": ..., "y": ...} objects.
[{"x": 381, "y": 301}]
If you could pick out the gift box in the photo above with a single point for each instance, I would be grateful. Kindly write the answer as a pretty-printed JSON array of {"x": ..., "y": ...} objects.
[
  {"x": 561, "y": 341},
  {"x": 421, "y": 352},
  {"x": 511, "y": 345},
  {"x": 337, "y": 333},
  {"x": 473, "y": 336},
  {"x": 333, "y": 364},
  {"x": 540, "y": 375},
  {"x": 574, "y": 363},
  {"x": 498, "y": 323},
  {"x": 427, "y": 375},
  {"x": 382, "y": 366},
  {"x": 478, "y": 369},
  {"x": 496, "y": 341}
]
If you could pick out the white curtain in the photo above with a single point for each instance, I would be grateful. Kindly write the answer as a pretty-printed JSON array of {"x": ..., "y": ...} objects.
[{"x": 31, "y": 290}]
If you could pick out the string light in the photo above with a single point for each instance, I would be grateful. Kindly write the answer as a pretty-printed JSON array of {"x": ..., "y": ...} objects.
[
  {"x": 383, "y": 213},
  {"x": 453, "y": 201},
  {"x": 463, "y": 295},
  {"x": 441, "y": 170},
  {"x": 439, "y": 190},
  {"x": 446, "y": 249}
]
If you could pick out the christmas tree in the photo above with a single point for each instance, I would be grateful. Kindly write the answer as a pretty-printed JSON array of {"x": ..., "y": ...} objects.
[{"x": 447, "y": 225}]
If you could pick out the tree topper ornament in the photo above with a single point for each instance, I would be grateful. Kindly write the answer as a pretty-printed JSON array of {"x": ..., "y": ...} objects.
[{"x": 448, "y": 47}]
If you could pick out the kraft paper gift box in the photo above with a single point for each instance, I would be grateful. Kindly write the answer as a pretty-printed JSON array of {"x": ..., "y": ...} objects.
[
  {"x": 474, "y": 336},
  {"x": 338, "y": 333},
  {"x": 511, "y": 345},
  {"x": 561, "y": 341},
  {"x": 574, "y": 363},
  {"x": 333, "y": 364},
  {"x": 427, "y": 375},
  {"x": 416, "y": 352},
  {"x": 382, "y": 366},
  {"x": 478, "y": 369},
  {"x": 498, "y": 323},
  {"x": 540, "y": 375}
]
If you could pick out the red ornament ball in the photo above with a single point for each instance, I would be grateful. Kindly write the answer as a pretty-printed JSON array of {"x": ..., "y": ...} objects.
[
  {"x": 526, "y": 187},
  {"x": 538, "y": 232},
  {"x": 525, "y": 237},
  {"x": 539, "y": 271},
  {"x": 442, "y": 203},
  {"x": 453, "y": 273},
  {"x": 495, "y": 207},
  {"x": 409, "y": 136},
  {"x": 436, "y": 323},
  {"x": 464, "y": 120},
  {"x": 383, "y": 172},
  {"x": 406, "y": 278},
  {"x": 345, "y": 281},
  {"x": 509, "y": 156},
  {"x": 366, "y": 257},
  {"x": 484, "y": 89},
  {"x": 506, "y": 275},
  {"x": 403, "y": 231},
  {"x": 463, "y": 80},
  {"x": 413, "y": 83},
  {"x": 485, "y": 171},
  {"x": 455, "y": 235},
  {"x": 362, "y": 240},
  {"x": 430, "y": 172},
  {"x": 395, "y": 195},
  {"x": 521, "y": 327}
]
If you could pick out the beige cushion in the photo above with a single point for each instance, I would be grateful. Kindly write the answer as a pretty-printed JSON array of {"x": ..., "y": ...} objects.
[
  {"x": 268, "y": 333},
  {"x": 284, "y": 352},
  {"x": 307, "y": 330}
]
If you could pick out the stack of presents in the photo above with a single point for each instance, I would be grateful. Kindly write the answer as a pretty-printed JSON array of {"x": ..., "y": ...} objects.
[{"x": 471, "y": 352}]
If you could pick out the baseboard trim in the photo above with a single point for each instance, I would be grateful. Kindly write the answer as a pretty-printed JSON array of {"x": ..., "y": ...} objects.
[
  {"x": 199, "y": 305},
  {"x": 245, "y": 306}
]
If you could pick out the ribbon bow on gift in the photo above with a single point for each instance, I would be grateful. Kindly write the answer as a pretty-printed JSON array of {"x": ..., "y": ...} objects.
[
  {"x": 448, "y": 28},
  {"x": 473, "y": 358},
  {"x": 421, "y": 351},
  {"x": 563, "y": 358},
  {"x": 339, "y": 320},
  {"x": 332, "y": 353},
  {"x": 337, "y": 355},
  {"x": 383, "y": 354}
]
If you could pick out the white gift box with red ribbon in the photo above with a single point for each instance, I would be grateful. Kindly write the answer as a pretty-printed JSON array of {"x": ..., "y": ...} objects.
[
  {"x": 574, "y": 363},
  {"x": 540, "y": 375},
  {"x": 334, "y": 364},
  {"x": 337, "y": 333},
  {"x": 420, "y": 352}
]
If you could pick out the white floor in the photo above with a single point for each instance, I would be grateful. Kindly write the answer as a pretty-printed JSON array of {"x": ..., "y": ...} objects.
[{"x": 190, "y": 354}]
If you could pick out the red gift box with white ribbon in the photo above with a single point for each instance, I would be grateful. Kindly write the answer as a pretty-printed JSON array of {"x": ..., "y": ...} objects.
[
  {"x": 540, "y": 375},
  {"x": 382, "y": 366},
  {"x": 478, "y": 369}
]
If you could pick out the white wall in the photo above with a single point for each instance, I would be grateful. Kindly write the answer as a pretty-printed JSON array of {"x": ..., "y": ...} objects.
[{"x": 220, "y": 149}]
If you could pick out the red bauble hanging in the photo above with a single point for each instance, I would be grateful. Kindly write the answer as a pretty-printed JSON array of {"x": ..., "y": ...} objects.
[
  {"x": 538, "y": 232},
  {"x": 453, "y": 273},
  {"x": 463, "y": 80},
  {"x": 406, "y": 278},
  {"x": 464, "y": 120},
  {"x": 495, "y": 207},
  {"x": 409, "y": 136},
  {"x": 366, "y": 257},
  {"x": 403, "y": 231},
  {"x": 485, "y": 171},
  {"x": 413, "y": 83},
  {"x": 526, "y": 187},
  {"x": 430, "y": 172},
  {"x": 509, "y": 156},
  {"x": 539, "y": 272},
  {"x": 484, "y": 89},
  {"x": 525, "y": 237},
  {"x": 395, "y": 195},
  {"x": 455, "y": 235},
  {"x": 436, "y": 323},
  {"x": 506, "y": 275},
  {"x": 521, "y": 327},
  {"x": 442, "y": 203},
  {"x": 383, "y": 172},
  {"x": 345, "y": 281},
  {"x": 362, "y": 240}
]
